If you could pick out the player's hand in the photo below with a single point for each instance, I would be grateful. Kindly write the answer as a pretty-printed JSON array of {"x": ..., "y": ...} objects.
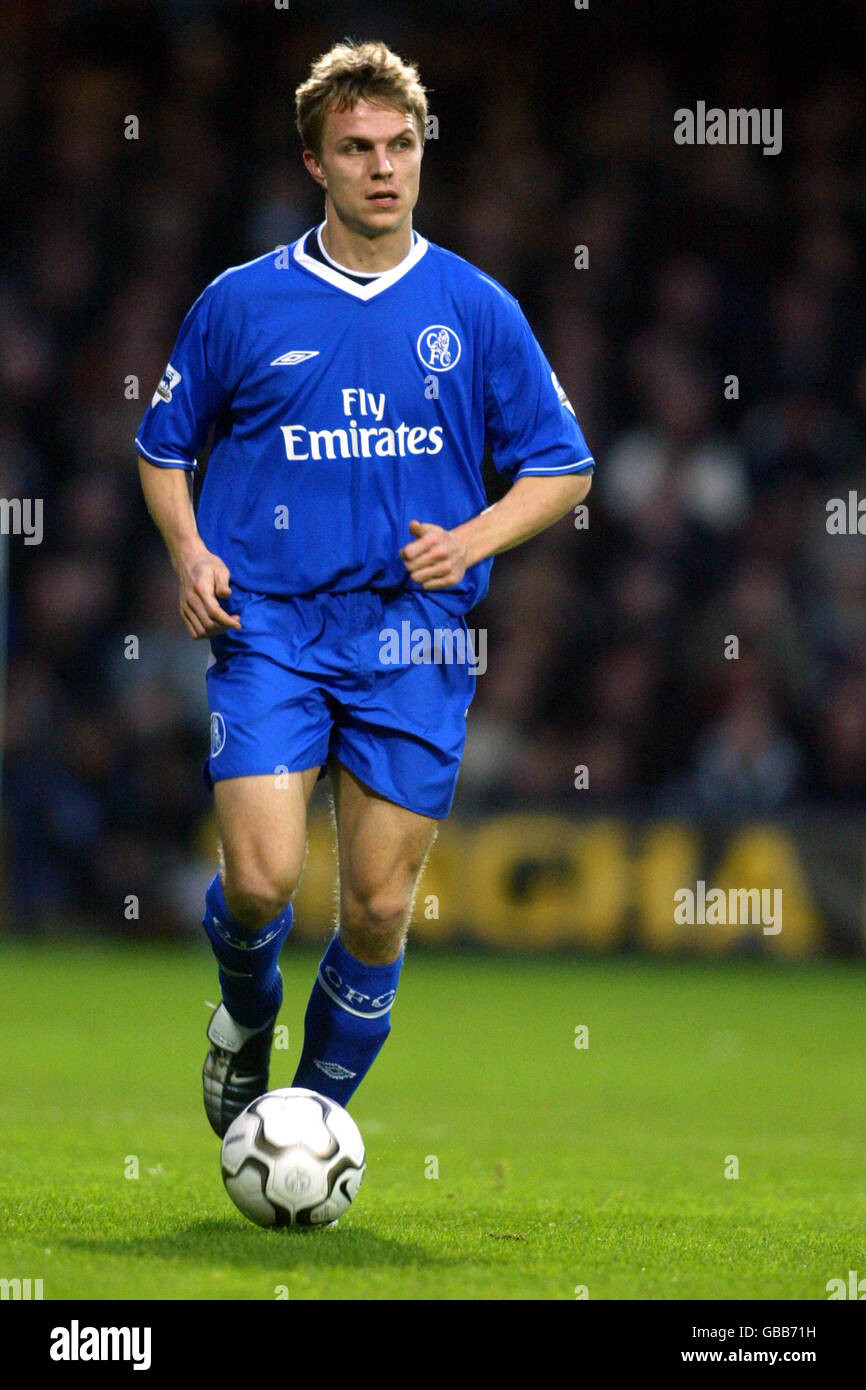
[
  {"x": 204, "y": 580},
  {"x": 435, "y": 559}
]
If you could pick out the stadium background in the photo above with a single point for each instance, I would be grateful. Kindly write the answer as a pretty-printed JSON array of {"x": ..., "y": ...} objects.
[{"x": 606, "y": 645}]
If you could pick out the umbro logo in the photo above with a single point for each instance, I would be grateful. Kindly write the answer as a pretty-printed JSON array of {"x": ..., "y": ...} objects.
[
  {"x": 334, "y": 1070},
  {"x": 291, "y": 359}
]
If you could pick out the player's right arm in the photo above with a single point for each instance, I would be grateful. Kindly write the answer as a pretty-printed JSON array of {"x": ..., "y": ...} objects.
[
  {"x": 195, "y": 388},
  {"x": 202, "y": 576}
]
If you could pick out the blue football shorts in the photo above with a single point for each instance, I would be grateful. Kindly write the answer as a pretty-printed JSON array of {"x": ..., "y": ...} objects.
[{"x": 347, "y": 676}]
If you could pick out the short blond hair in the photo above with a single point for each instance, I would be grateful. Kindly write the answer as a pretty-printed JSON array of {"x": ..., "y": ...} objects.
[{"x": 351, "y": 72}]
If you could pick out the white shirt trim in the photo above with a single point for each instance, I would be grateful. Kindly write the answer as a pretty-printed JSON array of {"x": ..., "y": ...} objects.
[
  {"x": 382, "y": 280},
  {"x": 157, "y": 458},
  {"x": 561, "y": 468}
]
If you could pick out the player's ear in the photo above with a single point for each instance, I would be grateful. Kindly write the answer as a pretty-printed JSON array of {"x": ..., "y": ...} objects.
[{"x": 314, "y": 168}]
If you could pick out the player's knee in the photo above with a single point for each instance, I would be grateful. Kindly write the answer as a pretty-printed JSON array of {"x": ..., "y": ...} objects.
[
  {"x": 377, "y": 909},
  {"x": 377, "y": 914},
  {"x": 255, "y": 899}
]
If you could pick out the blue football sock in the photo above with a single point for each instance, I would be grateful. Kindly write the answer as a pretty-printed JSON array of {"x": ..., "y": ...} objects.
[
  {"x": 250, "y": 981},
  {"x": 347, "y": 1021}
]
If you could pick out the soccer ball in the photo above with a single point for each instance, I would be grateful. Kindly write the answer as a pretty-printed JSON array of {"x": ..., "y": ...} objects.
[{"x": 293, "y": 1158}]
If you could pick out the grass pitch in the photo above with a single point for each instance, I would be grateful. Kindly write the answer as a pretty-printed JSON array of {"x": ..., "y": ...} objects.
[{"x": 560, "y": 1168}]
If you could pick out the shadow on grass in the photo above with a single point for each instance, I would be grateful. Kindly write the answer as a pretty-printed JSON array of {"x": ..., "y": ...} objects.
[{"x": 224, "y": 1243}]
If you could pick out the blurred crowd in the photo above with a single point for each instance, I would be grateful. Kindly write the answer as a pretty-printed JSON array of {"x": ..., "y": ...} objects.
[{"x": 713, "y": 347}]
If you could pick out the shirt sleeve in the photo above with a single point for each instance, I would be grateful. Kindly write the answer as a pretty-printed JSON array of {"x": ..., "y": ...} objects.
[
  {"x": 191, "y": 394},
  {"x": 531, "y": 425}
]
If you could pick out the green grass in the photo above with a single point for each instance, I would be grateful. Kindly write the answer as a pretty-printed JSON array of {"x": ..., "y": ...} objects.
[{"x": 558, "y": 1167}]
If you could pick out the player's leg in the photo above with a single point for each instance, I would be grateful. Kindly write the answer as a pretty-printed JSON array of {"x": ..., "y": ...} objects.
[
  {"x": 395, "y": 751},
  {"x": 262, "y": 824},
  {"x": 382, "y": 849},
  {"x": 270, "y": 727}
]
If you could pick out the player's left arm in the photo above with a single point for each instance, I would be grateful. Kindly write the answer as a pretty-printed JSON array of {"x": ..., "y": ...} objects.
[{"x": 438, "y": 558}]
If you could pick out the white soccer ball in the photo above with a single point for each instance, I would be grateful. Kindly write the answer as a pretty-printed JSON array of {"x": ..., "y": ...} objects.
[{"x": 293, "y": 1158}]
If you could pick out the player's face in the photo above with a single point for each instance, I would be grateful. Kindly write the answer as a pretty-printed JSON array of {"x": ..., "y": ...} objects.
[{"x": 369, "y": 166}]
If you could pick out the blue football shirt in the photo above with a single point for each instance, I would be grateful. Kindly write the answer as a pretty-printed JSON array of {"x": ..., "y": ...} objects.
[{"x": 344, "y": 408}]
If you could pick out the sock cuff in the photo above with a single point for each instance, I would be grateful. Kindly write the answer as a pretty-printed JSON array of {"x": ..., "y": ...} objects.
[
  {"x": 232, "y": 932},
  {"x": 367, "y": 991}
]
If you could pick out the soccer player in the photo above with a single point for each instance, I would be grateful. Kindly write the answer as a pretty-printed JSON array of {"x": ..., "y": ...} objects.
[{"x": 351, "y": 380}]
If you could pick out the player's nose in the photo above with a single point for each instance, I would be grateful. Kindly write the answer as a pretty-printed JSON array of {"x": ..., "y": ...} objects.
[{"x": 382, "y": 164}]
